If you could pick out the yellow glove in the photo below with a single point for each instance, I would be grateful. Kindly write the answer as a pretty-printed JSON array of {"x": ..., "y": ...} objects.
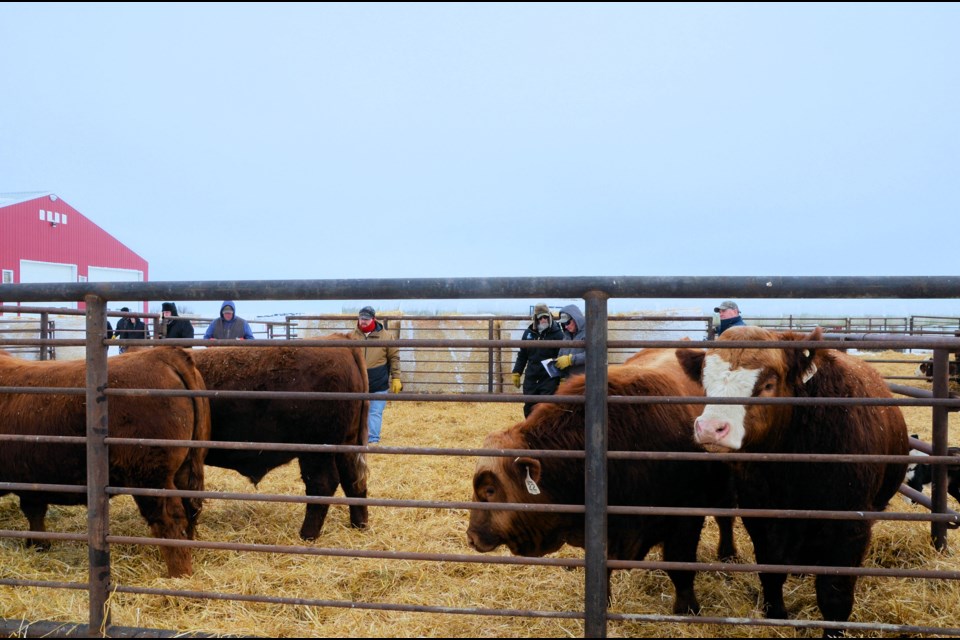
[
  {"x": 395, "y": 385},
  {"x": 564, "y": 361},
  {"x": 516, "y": 380}
]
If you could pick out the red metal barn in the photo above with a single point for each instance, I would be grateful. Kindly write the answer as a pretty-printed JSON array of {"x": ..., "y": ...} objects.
[{"x": 44, "y": 239}]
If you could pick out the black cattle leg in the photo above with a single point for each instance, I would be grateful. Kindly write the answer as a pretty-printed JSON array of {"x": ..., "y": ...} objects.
[
  {"x": 772, "y": 583},
  {"x": 726, "y": 548},
  {"x": 352, "y": 468},
  {"x": 681, "y": 546},
  {"x": 835, "y": 599},
  {"x": 36, "y": 513},
  {"x": 320, "y": 477}
]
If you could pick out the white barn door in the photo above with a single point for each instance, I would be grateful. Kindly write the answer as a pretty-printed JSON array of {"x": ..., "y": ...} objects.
[
  {"x": 33, "y": 271},
  {"x": 110, "y": 274}
]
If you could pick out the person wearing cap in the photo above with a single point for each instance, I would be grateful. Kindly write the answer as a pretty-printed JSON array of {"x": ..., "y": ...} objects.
[
  {"x": 228, "y": 326},
  {"x": 130, "y": 328},
  {"x": 175, "y": 326},
  {"x": 729, "y": 315},
  {"x": 572, "y": 360},
  {"x": 537, "y": 381},
  {"x": 383, "y": 366}
]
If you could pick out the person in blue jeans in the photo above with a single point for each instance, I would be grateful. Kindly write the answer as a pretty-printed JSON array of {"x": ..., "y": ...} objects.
[{"x": 383, "y": 366}]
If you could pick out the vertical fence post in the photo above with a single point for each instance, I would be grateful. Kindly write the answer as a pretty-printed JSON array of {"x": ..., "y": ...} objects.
[
  {"x": 595, "y": 413},
  {"x": 98, "y": 467},
  {"x": 490, "y": 357},
  {"x": 938, "y": 488},
  {"x": 44, "y": 334}
]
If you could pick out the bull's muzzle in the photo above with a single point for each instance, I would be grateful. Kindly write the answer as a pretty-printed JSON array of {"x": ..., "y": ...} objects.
[{"x": 709, "y": 431}]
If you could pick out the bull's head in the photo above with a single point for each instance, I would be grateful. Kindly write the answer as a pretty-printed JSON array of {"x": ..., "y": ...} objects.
[
  {"x": 511, "y": 480},
  {"x": 746, "y": 373}
]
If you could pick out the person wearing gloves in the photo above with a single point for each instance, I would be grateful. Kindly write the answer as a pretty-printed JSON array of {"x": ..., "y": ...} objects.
[
  {"x": 383, "y": 366},
  {"x": 175, "y": 326},
  {"x": 572, "y": 360},
  {"x": 228, "y": 326},
  {"x": 729, "y": 316},
  {"x": 537, "y": 381}
]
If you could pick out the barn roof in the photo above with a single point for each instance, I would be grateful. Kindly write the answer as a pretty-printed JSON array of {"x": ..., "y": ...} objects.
[{"x": 7, "y": 199}]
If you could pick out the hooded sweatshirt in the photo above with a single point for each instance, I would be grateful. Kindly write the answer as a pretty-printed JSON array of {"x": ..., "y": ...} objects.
[
  {"x": 578, "y": 362},
  {"x": 233, "y": 329}
]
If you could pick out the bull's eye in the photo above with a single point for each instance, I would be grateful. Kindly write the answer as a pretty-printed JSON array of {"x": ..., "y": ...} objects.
[{"x": 489, "y": 492}]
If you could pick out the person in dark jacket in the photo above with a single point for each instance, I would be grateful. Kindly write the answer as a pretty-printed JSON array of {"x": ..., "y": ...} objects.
[
  {"x": 729, "y": 316},
  {"x": 572, "y": 360},
  {"x": 383, "y": 366},
  {"x": 537, "y": 381},
  {"x": 130, "y": 328},
  {"x": 228, "y": 326},
  {"x": 175, "y": 326}
]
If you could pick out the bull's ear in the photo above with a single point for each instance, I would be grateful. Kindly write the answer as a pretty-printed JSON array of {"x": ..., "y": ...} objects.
[
  {"x": 802, "y": 365},
  {"x": 530, "y": 468},
  {"x": 691, "y": 361}
]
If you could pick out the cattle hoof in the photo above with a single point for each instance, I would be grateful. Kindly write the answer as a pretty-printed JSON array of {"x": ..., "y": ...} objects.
[
  {"x": 39, "y": 545},
  {"x": 775, "y": 613},
  {"x": 684, "y": 609}
]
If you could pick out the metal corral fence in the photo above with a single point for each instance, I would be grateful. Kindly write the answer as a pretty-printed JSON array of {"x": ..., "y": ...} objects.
[
  {"x": 452, "y": 368},
  {"x": 595, "y": 291}
]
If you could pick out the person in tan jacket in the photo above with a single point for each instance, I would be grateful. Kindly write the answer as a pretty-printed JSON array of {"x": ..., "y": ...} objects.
[{"x": 383, "y": 366}]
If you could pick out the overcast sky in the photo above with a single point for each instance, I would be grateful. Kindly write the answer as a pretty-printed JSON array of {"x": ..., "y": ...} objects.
[{"x": 281, "y": 141}]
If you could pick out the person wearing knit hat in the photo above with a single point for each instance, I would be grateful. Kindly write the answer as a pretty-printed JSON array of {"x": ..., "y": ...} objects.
[
  {"x": 383, "y": 366},
  {"x": 228, "y": 326},
  {"x": 174, "y": 325},
  {"x": 729, "y": 315},
  {"x": 130, "y": 328},
  {"x": 537, "y": 381}
]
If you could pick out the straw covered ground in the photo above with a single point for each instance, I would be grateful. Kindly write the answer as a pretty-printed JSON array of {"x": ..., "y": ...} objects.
[{"x": 447, "y": 584}]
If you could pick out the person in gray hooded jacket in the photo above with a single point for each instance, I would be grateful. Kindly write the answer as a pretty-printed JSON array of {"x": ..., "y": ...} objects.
[
  {"x": 228, "y": 326},
  {"x": 572, "y": 360}
]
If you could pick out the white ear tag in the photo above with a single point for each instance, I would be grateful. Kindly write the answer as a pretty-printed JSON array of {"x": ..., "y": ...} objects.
[{"x": 532, "y": 487}]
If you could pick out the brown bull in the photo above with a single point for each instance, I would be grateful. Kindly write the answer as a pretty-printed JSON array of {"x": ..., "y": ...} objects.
[
  {"x": 801, "y": 372},
  {"x": 632, "y": 427},
  {"x": 331, "y": 369},
  {"x": 171, "y": 418}
]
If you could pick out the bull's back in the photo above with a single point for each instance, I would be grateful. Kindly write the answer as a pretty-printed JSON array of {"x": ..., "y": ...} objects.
[
  {"x": 65, "y": 415},
  {"x": 291, "y": 369}
]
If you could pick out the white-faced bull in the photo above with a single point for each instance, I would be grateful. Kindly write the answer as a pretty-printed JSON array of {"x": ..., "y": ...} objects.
[{"x": 801, "y": 372}]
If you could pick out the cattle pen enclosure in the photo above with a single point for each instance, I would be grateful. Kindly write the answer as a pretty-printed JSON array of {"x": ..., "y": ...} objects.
[{"x": 411, "y": 573}]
